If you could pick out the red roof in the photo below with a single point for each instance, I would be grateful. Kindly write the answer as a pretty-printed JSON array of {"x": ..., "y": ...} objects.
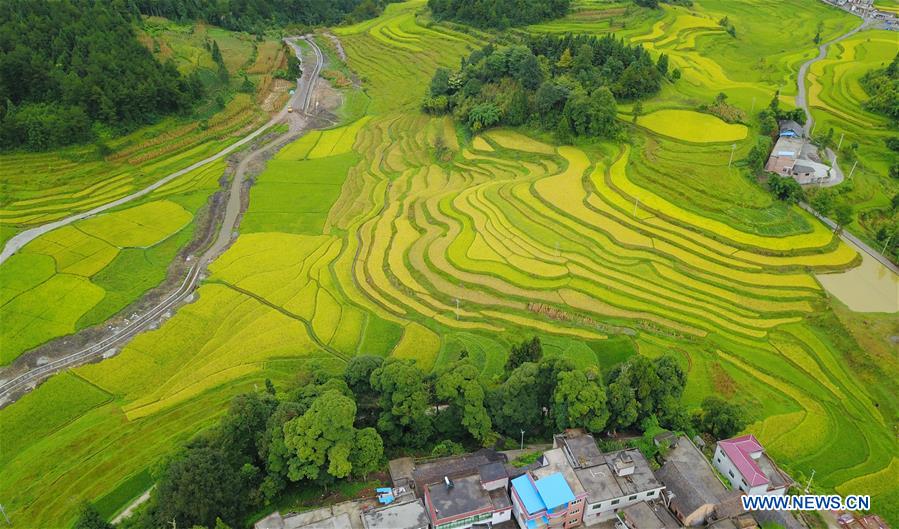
[{"x": 739, "y": 450}]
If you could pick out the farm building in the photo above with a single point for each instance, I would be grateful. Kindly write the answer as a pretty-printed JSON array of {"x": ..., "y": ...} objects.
[
  {"x": 791, "y": 129},
  {"x": 406, "y": 515},
  {"x": 693, "y": 492},
  {"x": 743, "y": 461},
  {"x": 546, "y": 501},
  {"x": 462, "y": 491},
  {"x": 792, "y": 156},
  {"x": 612, "y": 481},
  {"x": 645, "y": 515}
]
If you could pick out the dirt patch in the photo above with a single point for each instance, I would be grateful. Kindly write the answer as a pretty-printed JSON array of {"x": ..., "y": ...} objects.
[
  {"x": 277, "y": 96},
  {"x": 723, "y": 383}
]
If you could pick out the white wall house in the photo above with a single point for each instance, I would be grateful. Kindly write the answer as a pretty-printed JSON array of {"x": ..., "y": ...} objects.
[{"x": 743, "y": 461}]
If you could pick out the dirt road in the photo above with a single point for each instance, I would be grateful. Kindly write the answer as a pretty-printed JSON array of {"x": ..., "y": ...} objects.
[
  {"x": 19, "y": 383},
  {"x": 300, "y": 99}
]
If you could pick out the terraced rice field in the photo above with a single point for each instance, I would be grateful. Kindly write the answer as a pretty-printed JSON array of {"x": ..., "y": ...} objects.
[
  {"x": 358, "y": 240},
  {"x": 835, "y": 99},
  {"x": 82, "y": 274}
]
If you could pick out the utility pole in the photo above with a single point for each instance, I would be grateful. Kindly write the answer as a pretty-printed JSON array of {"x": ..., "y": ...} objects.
[
  {"x": 733, "y": 149},
  {"x": 457, "y": 308},
  {"x": 881, "y": 251},
  {"x": 853, "y": 169},
  {"x": 839, "y": 145},
  {"x": 753, "y": 105},
  {"x": 809, "y": 484},
  {"x": 3, "y": 510},
  {"x": 636, "y": 202},
  {"x": 522, "y": 439}
]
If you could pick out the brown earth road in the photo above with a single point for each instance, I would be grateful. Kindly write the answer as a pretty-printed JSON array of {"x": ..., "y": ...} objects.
[{"x": 14, "y": 385}]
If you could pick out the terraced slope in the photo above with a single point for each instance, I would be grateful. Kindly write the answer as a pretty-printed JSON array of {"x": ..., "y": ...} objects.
[{"x": 603, "y": 250}]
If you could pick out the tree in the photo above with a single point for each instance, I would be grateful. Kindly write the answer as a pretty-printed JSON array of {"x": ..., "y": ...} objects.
[
  {"x": 565, "y": 60},
  {"x": 785, "y": 188},
  {"x": 622, "y": 402},
  {"x": 636, "y": 111},
  {"x": 404, "y": 403},
  {"x": 719, "y": 418},
  {"x": 440, "y": 83},
  {"x": 603, "y": 110},
  {"x": 579, "y": 401},
  {"x": 823, "y": 201},
  {"x": 662, "y": 64},
  {"x": 89, "y": 518},
  {"x": 516, "y": 405},
  {"x": 358, "y": 374},
  {"x": 323, "y": 444},
  {"x": 484, "y": 115},
  {"x": 527, "y": 351},
  {"x": 458, "y": 384},
  {"x": 368, "y": 450},
  {"x": 447, "y": 448},
  {"x": 843, "y": 214},
  {"x": 198, "y": 487},
  {"x": 244, "y": 425}
]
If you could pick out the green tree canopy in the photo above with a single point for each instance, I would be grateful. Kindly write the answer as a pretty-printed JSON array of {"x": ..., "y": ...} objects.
[
  {"x": 404, "y": 403},
  {"x": 580, "y": 401}
]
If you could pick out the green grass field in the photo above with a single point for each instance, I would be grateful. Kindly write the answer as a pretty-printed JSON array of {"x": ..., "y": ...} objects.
[{"x": 358, "y": 241}]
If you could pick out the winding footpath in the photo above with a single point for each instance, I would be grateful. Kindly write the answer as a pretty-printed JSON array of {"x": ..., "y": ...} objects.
[
  {"x": 802, "y": 102},
  {"x": 301, "y": 100}
]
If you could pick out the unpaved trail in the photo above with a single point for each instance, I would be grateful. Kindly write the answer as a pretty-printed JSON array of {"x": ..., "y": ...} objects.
[
  {"x": 299, "y": 100},
  {"x": 19, "y": 383}
]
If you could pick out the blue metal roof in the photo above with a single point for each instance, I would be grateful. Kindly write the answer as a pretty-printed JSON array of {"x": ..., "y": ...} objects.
[
  {"x": 528, "y": 494},
  {"x": 554, "y": 490}
]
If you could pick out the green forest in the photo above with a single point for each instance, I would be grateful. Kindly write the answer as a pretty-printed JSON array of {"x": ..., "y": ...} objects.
[
  {"x": 883, "y": 87},
  {"x": 256, "y": 15},
  {"x": 332, "y": 426},
  {"x": 70, "y": 66},
  {"x": 567, "y": 84},
  {"x": 498, "y": 14}
]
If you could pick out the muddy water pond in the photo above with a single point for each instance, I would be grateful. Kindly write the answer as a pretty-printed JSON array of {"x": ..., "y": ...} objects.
[{"x": 870, "y": 287}]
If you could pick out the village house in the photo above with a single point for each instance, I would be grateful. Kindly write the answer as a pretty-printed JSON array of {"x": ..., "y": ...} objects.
[
  {"x": 792, "y": 156},
  {"x": 546, "y": 501},
  {"x": 693, "y": 492},
  {"x": 612, "y": 481},
  {"x": 743, "y": 461},
  {"x": 462, "y": 491},
  {"x": 644, "y": 515},
  {"x": 406, "y": 515}
]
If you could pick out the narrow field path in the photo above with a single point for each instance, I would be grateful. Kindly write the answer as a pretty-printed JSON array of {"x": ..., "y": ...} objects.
[
  {"x": 299, "y": 100},
  {"x": 20, "y": 383},
  {"x": 802, "y": 102}
]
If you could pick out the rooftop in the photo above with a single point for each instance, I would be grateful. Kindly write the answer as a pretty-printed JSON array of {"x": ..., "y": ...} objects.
[
  {"x": 602, "y": 483},
  {"x": 689, "y": 476},
  {"x": 740, "y": 451},
  {"x": 306, "y": 520},
  {"x": 409, "y": 515},
  {"x": 554, "y": 461},
  {"x": 429, "y": 472},
  {"x": 581, "y": 450},
  {"x": 465, "y": 496},
  {"x": 546, "y": 493},
  {"x": 642, "y": 515},
  {"x": 492, "y": 471}
]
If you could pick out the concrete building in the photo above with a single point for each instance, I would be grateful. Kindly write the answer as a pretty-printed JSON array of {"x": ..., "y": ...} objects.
[
  {"x": 694, "y": 494},
  {"x": 461, "y": 491},
  {"x": 463, "y": 502},
  {"x": 306, "y": 520},
  {"x": 546, "y": 502},
  {"x": 743, "y": 462},
  {"x": 611, "y": 481},
  {"x": 644, "y": 515},
  {"x": 793, "y": 156},
  {"x": 407, "y": 515}
]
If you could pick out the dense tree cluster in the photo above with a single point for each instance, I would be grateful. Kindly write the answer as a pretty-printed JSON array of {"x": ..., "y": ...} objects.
[
  {"x": 68, "y": 66},
  {"x": 262, "y": 444},
  {"x": 333, "y": 426},
  {"x": 565, "y": 84},
  {"x": 498, "y": 14},
  {"x": 257, "y": 15},
  {"x": 883, "y": 87}
]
